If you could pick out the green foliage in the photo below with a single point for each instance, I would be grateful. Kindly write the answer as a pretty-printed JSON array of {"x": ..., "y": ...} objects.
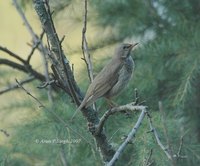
[{"x": 167, "y": 67}]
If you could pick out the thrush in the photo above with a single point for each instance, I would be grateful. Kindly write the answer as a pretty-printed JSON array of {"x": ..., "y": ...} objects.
[{"x": 110, "y": 81}]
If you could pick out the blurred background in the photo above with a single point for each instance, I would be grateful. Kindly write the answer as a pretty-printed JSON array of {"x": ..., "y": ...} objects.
[{"x": 167, "y": 71}]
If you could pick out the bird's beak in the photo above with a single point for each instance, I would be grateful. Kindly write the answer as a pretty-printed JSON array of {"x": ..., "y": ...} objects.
[{"x": 133, "y": 45}]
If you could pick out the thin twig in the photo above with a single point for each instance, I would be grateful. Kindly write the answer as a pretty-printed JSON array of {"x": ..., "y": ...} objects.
[
  {"x": 178, "y": 155},
  {"x": 160, "y": 106},
  {"x": 37, "y": 100},
  {"x": 72, "y": 68},
  {"x": 153, "y": 130},
  {"x": 85, "y": 49},
  {"x": 15, "y": 86},
  {"x": 113, "y": 135},
  {"x": 21, "y": 13},
  {"x": 63, "y": 156},
  {"x": 148, "y": 161},
  {"x": 180, "y": 146},
  {"x": 166, "y": 132},
  {"x": 62, "y": 39},
  {"x": 130, "y": 136},
  {"x": 46, "y": 84},
  {"x": 36, "y": 45},
  {"x": 5, "y": 132},
  {"x": 22, "y": 68},
  {"x": 12, "y": 54},
  {"x": 136, "y": 96}
]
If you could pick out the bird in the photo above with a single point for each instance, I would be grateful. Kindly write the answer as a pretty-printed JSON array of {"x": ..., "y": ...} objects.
[{"x": 115, "y": 75}]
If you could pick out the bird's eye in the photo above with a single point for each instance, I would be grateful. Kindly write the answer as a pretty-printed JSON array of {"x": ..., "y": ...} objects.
[{"x": 125, "y": 47}]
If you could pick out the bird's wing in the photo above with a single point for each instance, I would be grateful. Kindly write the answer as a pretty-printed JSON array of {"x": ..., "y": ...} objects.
[{"x": 101, "y": 84}]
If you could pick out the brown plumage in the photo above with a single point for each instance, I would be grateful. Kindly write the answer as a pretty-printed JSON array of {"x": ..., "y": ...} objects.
[{"x": 112, "y": 78}]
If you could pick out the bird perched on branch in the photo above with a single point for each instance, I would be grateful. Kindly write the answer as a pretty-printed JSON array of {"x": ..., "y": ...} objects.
[{"x": 112, "y": 78}]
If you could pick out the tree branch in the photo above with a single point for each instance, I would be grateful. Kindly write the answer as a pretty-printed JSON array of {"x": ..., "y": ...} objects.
[
  {"x": 85, "y": 49},
  {"x": 25, "y": 69},
  {"x": 178, "y": 154},
  {"x": 148, "y": 161},
  {"x": 160, "y": 106},
  {"x": 12, "y": 54},
  {"x": 153, "y": 130},
  {"x": 130, "y": 107},
  {"x": 130, "y": 136},
  {"x": 37, "y": 43},
  {"x": 15, "y": 86},
  {"x": 5, "y": 132},
  {"x": 38, "y": 101},
  {"x": 23, "y": 17},
  {"x": 65, "y": 76}
]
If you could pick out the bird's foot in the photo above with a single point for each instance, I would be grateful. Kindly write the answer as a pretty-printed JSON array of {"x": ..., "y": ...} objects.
[{"x": 111, "y": 104}]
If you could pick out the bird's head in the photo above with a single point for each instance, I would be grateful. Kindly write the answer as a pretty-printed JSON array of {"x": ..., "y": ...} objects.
[{"x": 123, "y": 51}]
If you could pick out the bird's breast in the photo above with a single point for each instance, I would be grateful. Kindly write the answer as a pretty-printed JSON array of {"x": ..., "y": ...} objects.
[
  {"x": 129, "y": 64},
  {"x": 126, "y": 71},
  {"x": 124, "y": 76}
]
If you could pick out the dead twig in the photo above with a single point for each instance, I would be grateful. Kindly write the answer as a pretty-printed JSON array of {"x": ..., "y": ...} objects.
[
  {"x": 37, "y": 44},
  {"x": 15, "y": 86},
  {"x": 62, "y": 39},
  {"x": 5, "y": 132},
  {"x": 85, "y": 49},
  {"x": 178, "y": 154},
  {"x": 37, "y": 100},
  {"x": 169, "y": 145},
  {"x": 23, "y": 68},
  {"x": 12, "y": 54},
  {"x": 47, "y": 83},
  {"x": 153, "y": 130},
  {"x": 136, "y": 96},
  {"x": 130, "y": 136},
  {"x": 63, "y": 156},
  {"x": 148, "y": 161}
]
